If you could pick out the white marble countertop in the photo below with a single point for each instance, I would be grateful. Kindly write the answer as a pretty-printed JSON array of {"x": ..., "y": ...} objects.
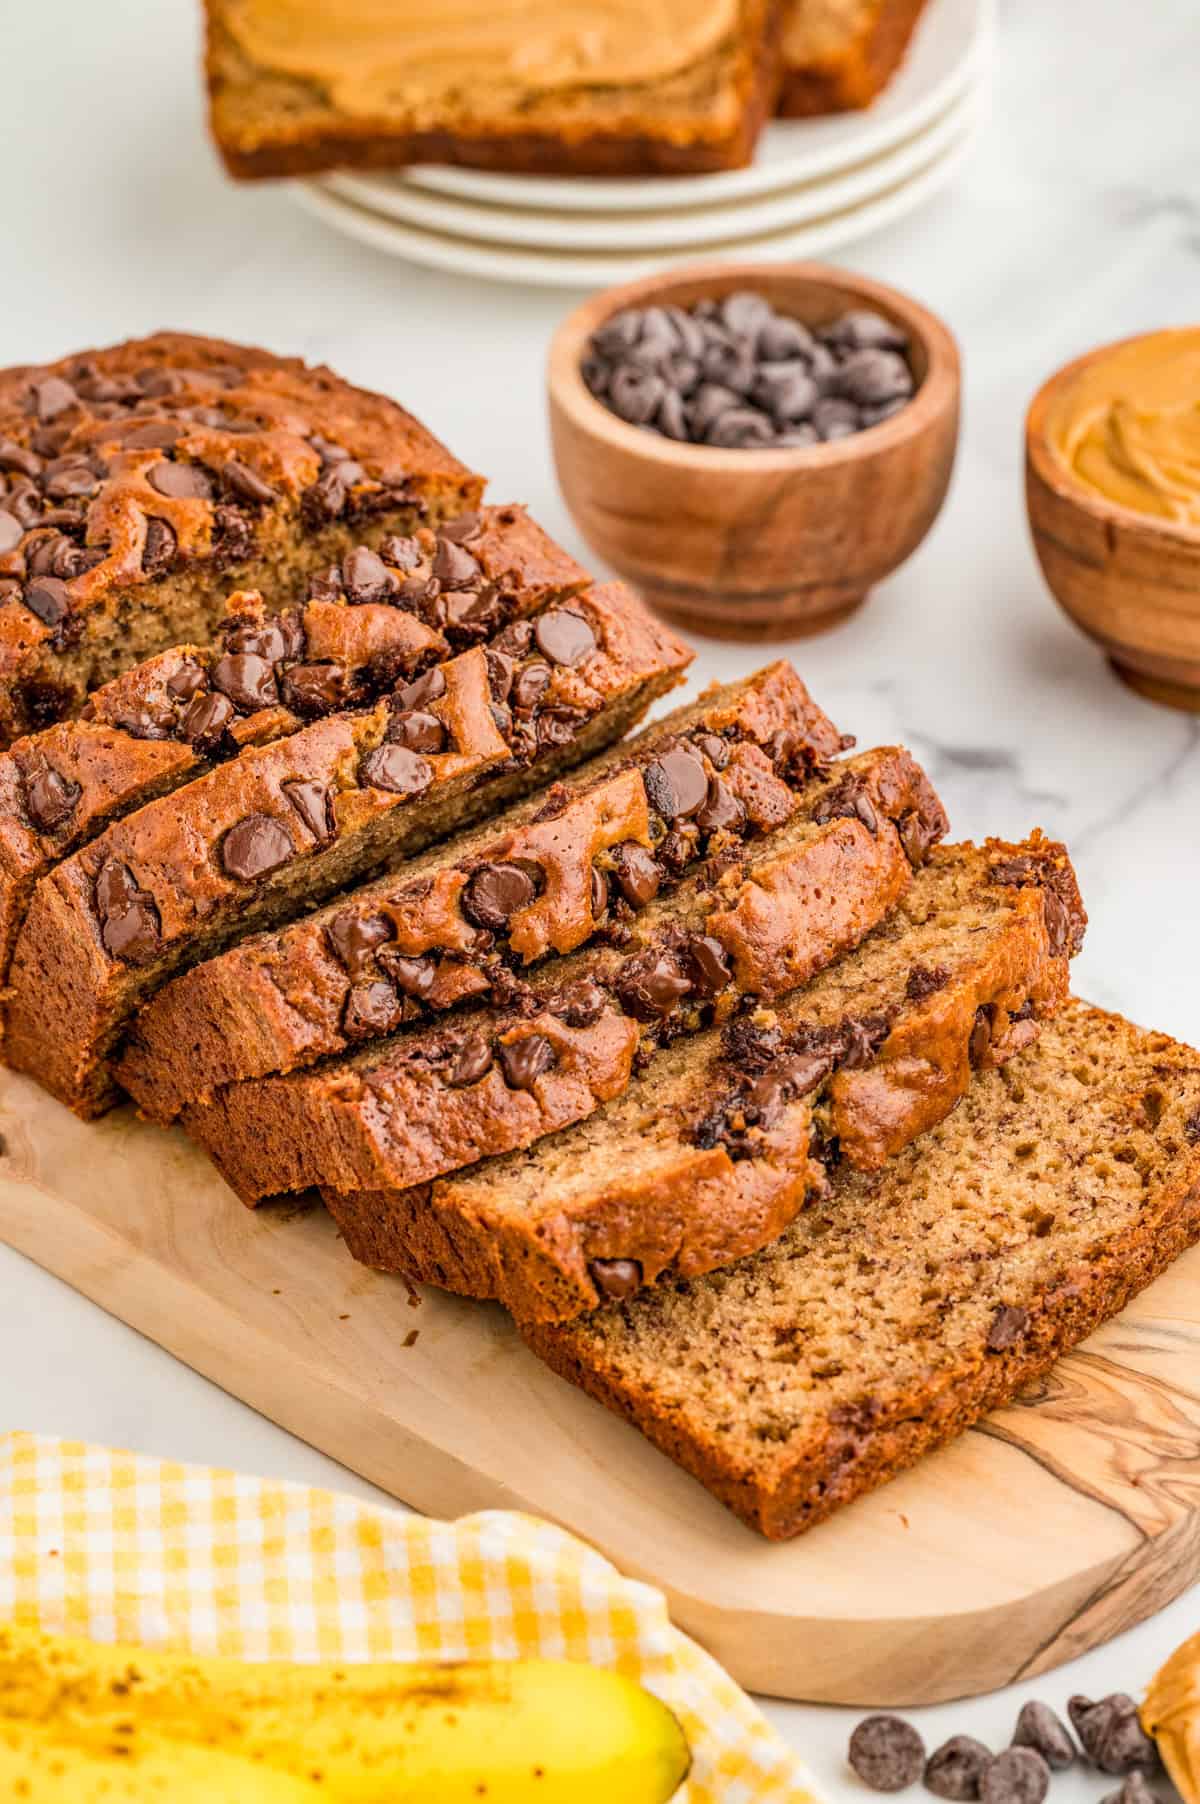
[{"x": 1076, "y": 219}]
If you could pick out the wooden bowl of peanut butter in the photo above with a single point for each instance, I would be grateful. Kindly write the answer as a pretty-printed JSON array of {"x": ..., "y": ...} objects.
[{"x": 1112, "y": 481}]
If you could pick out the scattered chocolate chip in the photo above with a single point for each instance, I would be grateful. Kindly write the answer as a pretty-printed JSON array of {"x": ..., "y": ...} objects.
[
  {"x": 366, "y": 577},
  {"x": 371, "y": 1009},
  {"x": 326, "y": 498},
  {"x": 707, "y": 965},
  {"x": 354, "y": 939},
  {"x": 1135, "y": 1790},
  {"x": 186, "y": 682},
  {"x": 472, "y": 1060},
  {"x": 515, "y": 640},
  {"x": 453, "y": 565},
  {"x": 1018, "y": 1776},
  {"x": 395, "y": 768},
  {"x": 1040, "y": 1728},
  {"x": 181, "y": 482},
  {"x": 848, "y": 800},
  {"x": 17, "y": 458},
  {"x": 50, "y": 797},
  {"x": 1191, "y": 1129},
  {"x": 1112, "y": 1735},
  {"x": 955, "y": 1769},
  {"x": 11, "y": 531},
  {"x": 529, "y": 687},
  {"x": 925, "y": 981},
  {"x": 52, "y": 397},
  {"x": 676, "y": 783},
  {"x": 315, "y": 689},
  {"x": 579, "y": 1005},
  {"x": 460, "y": 530},
  {"x": 159, "y": 548},
  {"x": 313, "y": 803},
  {"x": 981, "y": 1035},
  {"x": 1058, "y": 923},
  {"x": 637, "y": 872},
  {"x": 1008, "y": 1325},
  {"x": 523, "y": 1061},
  {"x": 721, "y": 811},
  {"x": 651, "y": 985},
  {"x": 150, "y": 435},
  {"x": 255, "y": 846},
  {"x": 918, "y": 835},
  {"x": 599, "y": 893},
  {"x": 564, "y": 636},
  {"x": 886, "y": 1753},
  {"x": 421, "y": 692},
  {"x": 69, "y": 479},
  {"x": 495, "y": 892},
  {"x": 247, "y": 679},
  {"x": 418, "y": 730},
  {"x": 412, "y": 976},
  {"x": 616, "y": 1279},
  {"x": 205, "y": 719},
  {"x": 130, "y": 926},
  {"x": 246, "y": 483},
  {"x": 47, "y": 598},
  {"x": 715, "y": 749}
]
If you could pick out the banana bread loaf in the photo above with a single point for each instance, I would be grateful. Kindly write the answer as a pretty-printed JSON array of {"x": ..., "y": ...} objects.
[
  {"x": 602, "y": 89},
  {"x": 431, "y": 1100},
  {"x": 712, "y": 1150},
  {"x": 454, "y": 924},
  {"x": 839, "y": 54},
  {"x": 283, "y": 825},
  {"x": 139, "y": 484},
  {"x": 381, "y": 618},
  {"x": 908, "y": 1302}
]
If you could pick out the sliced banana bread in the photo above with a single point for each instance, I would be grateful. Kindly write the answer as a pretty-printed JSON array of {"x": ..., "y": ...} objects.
[
  {"x": 283, "y": 825},
  {"x": 431, "y": 1100},
  {"x": 839, "y": 54},
  {"x": 455, "y": 924},
  {"x": 604, "y": 90},
  {"x": 374, "y": 620},
  {"x": 139, "y": 484},
  {"x": 717, "y": 1144},
  {"x": 907, "y": 1302}
]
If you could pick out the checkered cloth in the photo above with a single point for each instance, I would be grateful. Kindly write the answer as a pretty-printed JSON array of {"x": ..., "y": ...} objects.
[{"x": 117, "y": 1547}]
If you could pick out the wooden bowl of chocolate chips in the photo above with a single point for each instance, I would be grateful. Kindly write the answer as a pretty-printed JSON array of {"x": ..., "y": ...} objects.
[{"x": 753, "y": 446}]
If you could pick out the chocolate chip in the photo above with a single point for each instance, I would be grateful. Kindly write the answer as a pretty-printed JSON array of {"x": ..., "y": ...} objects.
[
  {"x": 453, "y": 565},
  {"x": 130, "y": 926},
  {"x": 925, "y": 981},
  {"x": 205, "y": 719},
  {"x": 579, "y": 1004},
  {"x": 835, "y": 418},
  {"x": 1112, "y": 1735},
  {"x": 714, "y": 748},
  {"x": 255, "y": 846},
  {"x": 1191, "y": 1129},
  {"x": 313, "y": 802},
  {"x": 522, "y": 1062},
  {"x": 1135, "y": 1790},
  {"x": 326, "y": 498},
  {"x": 955, "y": 1769},
  {"x": 863, "y": 328},
  {"x": 500, "y": 674},
  {"x": 354, "y": 939},
  {"x": 425, "y": 689},
  {"x": 246, "y": 483},
  {"x": 411, "y": 976},
  {"x": 530, "y": 686},
  {"x": 180, "y": 481},
  {"x": 676, "y": 784},
  {"x": 1018, "y": 1776},
  {"x": 150, "y": 435},
  {"x": 70, "y": 480},
  {"x": 1007, "y": 1327},
  {"x": 707, "y": 965},
  {"x": 637, "y": 873},
  {"x": 871, "y": 376},
  {"x": 848, "y": 800},
  {"x": 418, "y": 730},
  {"x": 1038, "y": 1727},
  {"x": 395, "y": 768},
  {"x": 981, "y": 1035},
  {"x": 515, "y": 640},
  {"x": 18, "y": 458},
  {"x": 50, "y": 797},
  {"x": 721, "y": 812},
  {"x": 599, "y": 893},
  {"x": 558, "y": 726},
  {"x": 1058, "y": 923},
  {"x": 366, "y": 577},
  {"x": 494, "y": 893},
  {"x": 651, "y": 985},
  {"x": 11, "y": 531},
  {"x": 472, "y": 1060},
  {"x": 52, "y": 397},
  {"x": 616, "y": 1279},
  {"x": 564, "y": 636},
  {"x": 247, "y": 679},
  {"x": 918, "y": 835},
  {"x": 315, "y": 689},
  {"x": 634, "y": 394},
  {"x": 371, "y": 1009},
  {"x": 464, "y": 527},
  {"x": 187, "y": 681},
  {"x": 886, "y": 1753},
  {"x": 159, "y": 547},
  {"x": 47, "y": 598}
]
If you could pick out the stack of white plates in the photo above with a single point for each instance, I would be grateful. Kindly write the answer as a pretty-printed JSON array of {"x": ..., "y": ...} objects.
[{"x": 815, "y": 185}]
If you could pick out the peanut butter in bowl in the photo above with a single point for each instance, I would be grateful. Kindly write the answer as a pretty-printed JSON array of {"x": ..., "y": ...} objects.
[{"x": 1127, "y": 425}]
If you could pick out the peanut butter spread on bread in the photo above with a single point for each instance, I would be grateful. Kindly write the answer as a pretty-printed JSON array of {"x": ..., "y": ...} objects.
[{"x": 369, "y": 54}]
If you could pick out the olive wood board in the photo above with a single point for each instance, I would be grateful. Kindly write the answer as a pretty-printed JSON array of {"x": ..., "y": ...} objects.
[{"x": 1064, "y": 1519}]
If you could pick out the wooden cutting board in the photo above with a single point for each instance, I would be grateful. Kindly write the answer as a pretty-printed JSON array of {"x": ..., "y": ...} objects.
[{"x": 1060, "y": 1522}]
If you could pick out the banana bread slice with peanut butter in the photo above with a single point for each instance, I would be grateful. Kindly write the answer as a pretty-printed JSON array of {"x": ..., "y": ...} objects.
[
  {"x": 282, "y": 826},
  {"x": 755, "y": 922},
  {"x": 370, "y": 622},
  {"x": 456, "y": 923},
  {"x": 909, "y": 1301},
  {"x": 718, "y": 1142}
]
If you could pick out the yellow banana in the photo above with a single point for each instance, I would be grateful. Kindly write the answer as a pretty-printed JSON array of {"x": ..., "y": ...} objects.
[{"x": 118, "y": 1720}]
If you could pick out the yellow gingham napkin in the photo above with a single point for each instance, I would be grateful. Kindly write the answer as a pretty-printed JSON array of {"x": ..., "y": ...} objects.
[{"x": 117, "y": 1547}]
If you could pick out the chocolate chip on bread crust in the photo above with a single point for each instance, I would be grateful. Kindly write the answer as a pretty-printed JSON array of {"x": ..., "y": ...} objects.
[
  {"x": 247, "y": 843},
  {"x": 458, "y": 924},
  {"x": 139, "y": 484}
]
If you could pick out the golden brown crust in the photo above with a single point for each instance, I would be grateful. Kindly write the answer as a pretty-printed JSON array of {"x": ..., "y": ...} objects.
[
  {"x": 151, "y": 477},
  {"x": 710, "y": 134},
  {"x": 797, "y": 1481},
  {"x": 275, "y": 1003},
  {"x": 859, "y": 73}
]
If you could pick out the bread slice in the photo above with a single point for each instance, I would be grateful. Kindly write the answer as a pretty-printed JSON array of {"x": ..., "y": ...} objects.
[
  {"x": 720, "y": 1141},
  {"x": 839, "y": 54},
  {"x": 283, "y": 825},
  {"x": 433, "y": 1099},
  {"x": 381, "y": 619},
  {"x": 454, "y": 925},
  {"x": 140, "y": 484},
  {"x": 679, "y": 88},
  {"x": 901, "y": 1308}
]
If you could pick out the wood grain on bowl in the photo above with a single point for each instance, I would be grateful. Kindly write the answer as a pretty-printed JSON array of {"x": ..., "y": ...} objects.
[{"x": 756, "y": 544}]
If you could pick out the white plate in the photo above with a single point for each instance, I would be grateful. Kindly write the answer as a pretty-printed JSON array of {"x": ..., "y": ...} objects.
[
  {"x": 498, "y": 262},
  {"x": 657, "y": 232},
  {"x": 950, "y": 48}
]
